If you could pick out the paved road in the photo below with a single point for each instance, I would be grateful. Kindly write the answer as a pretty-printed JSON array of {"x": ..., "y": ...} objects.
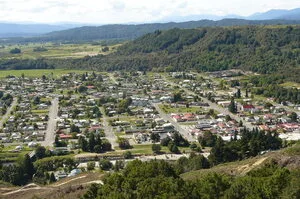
[
  {"x": 214, "y": 106},
  {"x": 185, "y": 133},
  {"x": 7, "y": 114},
  {"x": 50, "y": 132},
  {"x": 108, "y": 130}
]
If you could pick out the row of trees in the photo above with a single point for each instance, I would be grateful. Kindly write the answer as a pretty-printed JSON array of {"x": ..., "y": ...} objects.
[
  {"x": 19, "y": 64},
  {"x": 280, "y": 93},
  {"x": 250, "y": 145}
]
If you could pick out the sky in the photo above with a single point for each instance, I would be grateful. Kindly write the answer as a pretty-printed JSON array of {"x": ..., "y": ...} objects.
[{"x": 129, "y": 11}]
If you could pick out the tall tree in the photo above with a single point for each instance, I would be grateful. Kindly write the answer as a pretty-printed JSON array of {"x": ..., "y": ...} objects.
[
  {"x": 26, "y": 167},
  {"x": 232, "y": 106},
  {"x": 216, "y": 154},
  {"x": 40, "y": 152},
  {"x": 92, "y": 142},
  {"x": 238, "y": 93},
  {"x": 83, "y": 144}
]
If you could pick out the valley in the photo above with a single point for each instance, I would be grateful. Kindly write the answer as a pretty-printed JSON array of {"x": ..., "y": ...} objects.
[{"x": 200, "y": 109}]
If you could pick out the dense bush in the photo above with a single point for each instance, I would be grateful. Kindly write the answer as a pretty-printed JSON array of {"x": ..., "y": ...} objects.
[
  {"x": 157, "y": 179},
  {"x": 15, "y": 51}
]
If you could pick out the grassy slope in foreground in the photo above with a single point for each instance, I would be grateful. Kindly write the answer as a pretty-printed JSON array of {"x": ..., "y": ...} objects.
[
  {"x": 288, "y": 157},
  {"x": 72, "y": 187}
]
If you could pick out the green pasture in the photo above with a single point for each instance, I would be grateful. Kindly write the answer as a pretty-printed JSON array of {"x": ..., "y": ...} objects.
[
  {"x": 39, "y": 72},
  {"x": 291, "y": 85},
  {"x": 54, "y": 50}
]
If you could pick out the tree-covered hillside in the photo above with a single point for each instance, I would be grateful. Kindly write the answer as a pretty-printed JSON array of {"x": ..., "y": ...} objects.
[
  {"x": 157, "y": 179},
  {"x": 262, "y": 49}
]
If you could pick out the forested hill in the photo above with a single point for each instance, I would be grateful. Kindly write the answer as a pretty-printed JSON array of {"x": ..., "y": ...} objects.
[
  {"x": 263, "y": 49},
  {"x": 128, "y": 32}
]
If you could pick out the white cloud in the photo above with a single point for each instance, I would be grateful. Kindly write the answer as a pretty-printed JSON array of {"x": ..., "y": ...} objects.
[{"x": 122, "y": 11}]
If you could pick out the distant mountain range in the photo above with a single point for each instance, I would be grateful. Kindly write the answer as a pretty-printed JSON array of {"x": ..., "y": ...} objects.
[
  {"x": 277, "y": 14},
  {"x": 129, "y": 32},
  {"x": 27, "y": 30},
  {"x": 79, "y": 32},
  {"x": 293, "y": 14}
]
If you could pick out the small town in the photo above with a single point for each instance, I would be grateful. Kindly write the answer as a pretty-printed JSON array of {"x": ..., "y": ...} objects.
[
  {"x": 173, "y": 99},
  {"x": 126, "y": 114}
]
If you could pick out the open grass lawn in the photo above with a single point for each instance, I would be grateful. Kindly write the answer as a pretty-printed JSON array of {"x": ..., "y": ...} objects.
[
  {"x": 130, "y": 119},
  {"x": 39, "y": 72},
  {"x": 180, "y": 109},
  {"x": 137, "y": 149},
  {"x": 12, "y": 147},
  {"x": 141, "y": 149},
  {"x": 146, "y": 149},
  {"x": 8, "y": 155},
  {"x": 291, "y": 85},
  {"x": 41, "y": 111},
  {"x": 120, "y": 133}
]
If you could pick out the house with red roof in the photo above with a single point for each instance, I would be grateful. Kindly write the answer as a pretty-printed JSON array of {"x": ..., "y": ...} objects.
[
  {"x": 189, "y": 117},
  {"x": 248, "y": 108},
  {"x": 64, "y": 136},
  {"x": 178, "y": 118},
  {"x": 90, "y": 87}
]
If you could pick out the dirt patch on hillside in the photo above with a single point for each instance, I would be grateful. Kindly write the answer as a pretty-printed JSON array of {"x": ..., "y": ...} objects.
[
  {"x": 244, "y": 169},
  {"x": 290, "y": 162}
]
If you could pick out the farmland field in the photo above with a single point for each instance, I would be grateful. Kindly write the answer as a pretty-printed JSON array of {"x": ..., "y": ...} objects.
[
  {"x": 38, "y": 72},
  {"x": 54, "y": 50}
]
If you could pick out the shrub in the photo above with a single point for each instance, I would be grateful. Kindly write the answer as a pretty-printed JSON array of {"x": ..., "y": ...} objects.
[
  {"x": 105, "y": 164},
  {"x": 15, "y": 51},
  {"x": 127, "y": 155},
  {"x": 90, "y": 166}
]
